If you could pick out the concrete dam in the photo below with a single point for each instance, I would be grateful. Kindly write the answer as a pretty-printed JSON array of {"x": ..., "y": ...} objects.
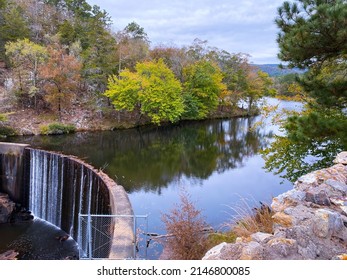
[{"x": 59, "y": 188}]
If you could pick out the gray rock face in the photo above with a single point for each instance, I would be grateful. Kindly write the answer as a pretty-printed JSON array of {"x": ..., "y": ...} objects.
[
  {"x": 6, "y": 208},
  {"x": 310, "y": 221}
]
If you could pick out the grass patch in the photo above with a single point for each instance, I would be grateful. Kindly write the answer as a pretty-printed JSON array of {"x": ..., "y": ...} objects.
[
  {"x": 217, "y": 238},
  {"x": 57, "y": 128},
  {"x": 248, "y": 221}
]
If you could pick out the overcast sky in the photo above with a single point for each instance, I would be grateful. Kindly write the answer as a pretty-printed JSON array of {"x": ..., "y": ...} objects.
[{"x": 233, "y": 25}]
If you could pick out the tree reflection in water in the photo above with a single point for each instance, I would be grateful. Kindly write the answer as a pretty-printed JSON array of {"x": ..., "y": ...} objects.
[
  {"x": 293, "y": 159},
  {"x": 150, "y": 158}
]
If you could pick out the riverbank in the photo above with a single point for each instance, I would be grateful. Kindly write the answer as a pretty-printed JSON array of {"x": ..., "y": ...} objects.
[
  {"x": 29, "y": 122},
  {"x": 309, "y": 222}
]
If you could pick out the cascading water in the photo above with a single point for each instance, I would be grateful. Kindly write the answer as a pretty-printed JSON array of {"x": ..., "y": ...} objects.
[
  {"x": 57, "y": 188},
  {"x": 45, "y": 189},
  {"x": 61, "y": 187}
]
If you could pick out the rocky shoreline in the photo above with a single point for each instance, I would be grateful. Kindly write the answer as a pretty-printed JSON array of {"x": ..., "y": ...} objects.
[
  {"x": 29, "y": 122},
  {"x": 310, "y": 222}
]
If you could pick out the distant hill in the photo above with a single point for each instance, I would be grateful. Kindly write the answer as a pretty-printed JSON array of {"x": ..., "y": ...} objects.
[{"x": 274, "y": 70}]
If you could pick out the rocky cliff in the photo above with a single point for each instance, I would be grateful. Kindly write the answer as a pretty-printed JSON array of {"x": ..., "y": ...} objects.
[{"x": 310, "y": 222}]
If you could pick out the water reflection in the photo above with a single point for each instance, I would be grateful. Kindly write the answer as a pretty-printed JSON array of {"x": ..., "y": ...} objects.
[
  {"x": 293, "y": 159},
  {"x": 149, "y": 159},
  {"x": 218, "y": 162}
]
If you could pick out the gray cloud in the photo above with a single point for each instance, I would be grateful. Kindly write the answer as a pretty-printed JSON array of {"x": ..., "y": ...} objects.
[{"x": 236, "y": 26}]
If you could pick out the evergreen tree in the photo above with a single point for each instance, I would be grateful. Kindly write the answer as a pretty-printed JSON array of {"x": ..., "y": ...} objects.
[
  {"x": 314, "y": 36},
  {"x": 13, "y": 25}
]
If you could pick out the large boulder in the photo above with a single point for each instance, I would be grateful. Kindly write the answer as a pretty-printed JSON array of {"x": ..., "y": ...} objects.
[
  {"x": 6, "y": 208},
  {"x": 310, "y": 221}
]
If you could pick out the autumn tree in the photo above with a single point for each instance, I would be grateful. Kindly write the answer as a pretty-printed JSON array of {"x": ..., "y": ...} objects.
[
  {"x": 61, "y": 77},
  {"x": 26, "y": 57},
  {"x": 152, "y": 89},
  {"x": 203, "y": 88},
  {"x": 235, "y": 68},
  {"x": 287, "y": 86},
  {"x": 258, "y": 85},
  {"x": 175, "y": 58},
  {"x": 132, "y": 46}
]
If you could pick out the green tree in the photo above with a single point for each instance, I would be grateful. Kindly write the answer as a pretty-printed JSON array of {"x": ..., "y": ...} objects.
[
  {"x": 313, "y": 36},
  {"x": 203, "y": 89},
  {"x": 152, "y": 89},
  {"x": 13, "y": 24},
  {"x": 26, "y": 58},
  {"x": 123, "y": 91}
]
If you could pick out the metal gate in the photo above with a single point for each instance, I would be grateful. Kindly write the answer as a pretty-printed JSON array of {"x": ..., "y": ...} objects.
[{"x": 112, "y": 236}]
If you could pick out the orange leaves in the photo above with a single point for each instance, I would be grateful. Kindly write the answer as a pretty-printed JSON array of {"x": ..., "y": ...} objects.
[{"x": 61, "y": 77}]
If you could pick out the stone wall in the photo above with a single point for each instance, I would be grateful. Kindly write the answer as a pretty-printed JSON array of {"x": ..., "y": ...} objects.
[{"x": 310, "y": 222}]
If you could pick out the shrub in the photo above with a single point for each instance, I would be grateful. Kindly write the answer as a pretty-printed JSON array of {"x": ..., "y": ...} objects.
[
  {"x": 57, "y": 128},
  {"x": 3, "y": 118},
  {"x": 7, "y": 131},
  {"x": 185, "y": 227}
]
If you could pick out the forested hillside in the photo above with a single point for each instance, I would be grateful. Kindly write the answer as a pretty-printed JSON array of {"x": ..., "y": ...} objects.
[
  {"x": 274, "y": 70},
  {"x": 61, "y": 56}
]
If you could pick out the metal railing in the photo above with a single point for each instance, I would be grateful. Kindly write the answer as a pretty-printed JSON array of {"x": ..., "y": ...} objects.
[{"x": 112, "y": 236}]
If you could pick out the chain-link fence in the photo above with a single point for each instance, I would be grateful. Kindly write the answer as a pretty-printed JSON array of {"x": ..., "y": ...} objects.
[{"x": 112, "y": 236}]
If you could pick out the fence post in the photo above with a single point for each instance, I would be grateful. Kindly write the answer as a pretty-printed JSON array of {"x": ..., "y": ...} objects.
[
  {"x": 89, "y": 230},
  {"x": 79, "y": 236},
  {"x": 135, "y": 237}
]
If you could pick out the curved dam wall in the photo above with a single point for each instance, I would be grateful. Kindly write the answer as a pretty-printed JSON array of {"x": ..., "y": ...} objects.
[
  {"x": 12, "y": 169},
  {"x": 57, "y": 188},
  {"x": 61, "y": 187}
]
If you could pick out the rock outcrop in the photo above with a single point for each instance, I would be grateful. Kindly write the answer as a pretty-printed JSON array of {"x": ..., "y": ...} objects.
[
  {"x": 6, "y": 208},
  {"x": 9, "y": 255},
  {"x": 310, "y": 222}
]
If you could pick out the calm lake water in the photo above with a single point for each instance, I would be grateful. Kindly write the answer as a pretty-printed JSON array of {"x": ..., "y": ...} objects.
[{"x": 217, "y": 162}]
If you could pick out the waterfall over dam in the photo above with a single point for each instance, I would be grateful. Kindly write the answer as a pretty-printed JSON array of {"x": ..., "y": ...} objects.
[
  {"x": 61, "y": 187},
  {"x": 57, "y": 188}
]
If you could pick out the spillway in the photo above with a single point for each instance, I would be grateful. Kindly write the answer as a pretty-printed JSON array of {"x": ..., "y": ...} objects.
[{"x": 57, "y": 188}]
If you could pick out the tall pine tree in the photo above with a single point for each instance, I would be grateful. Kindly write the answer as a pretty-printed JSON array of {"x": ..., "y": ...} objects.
[{"x": 313, "y": 36}]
